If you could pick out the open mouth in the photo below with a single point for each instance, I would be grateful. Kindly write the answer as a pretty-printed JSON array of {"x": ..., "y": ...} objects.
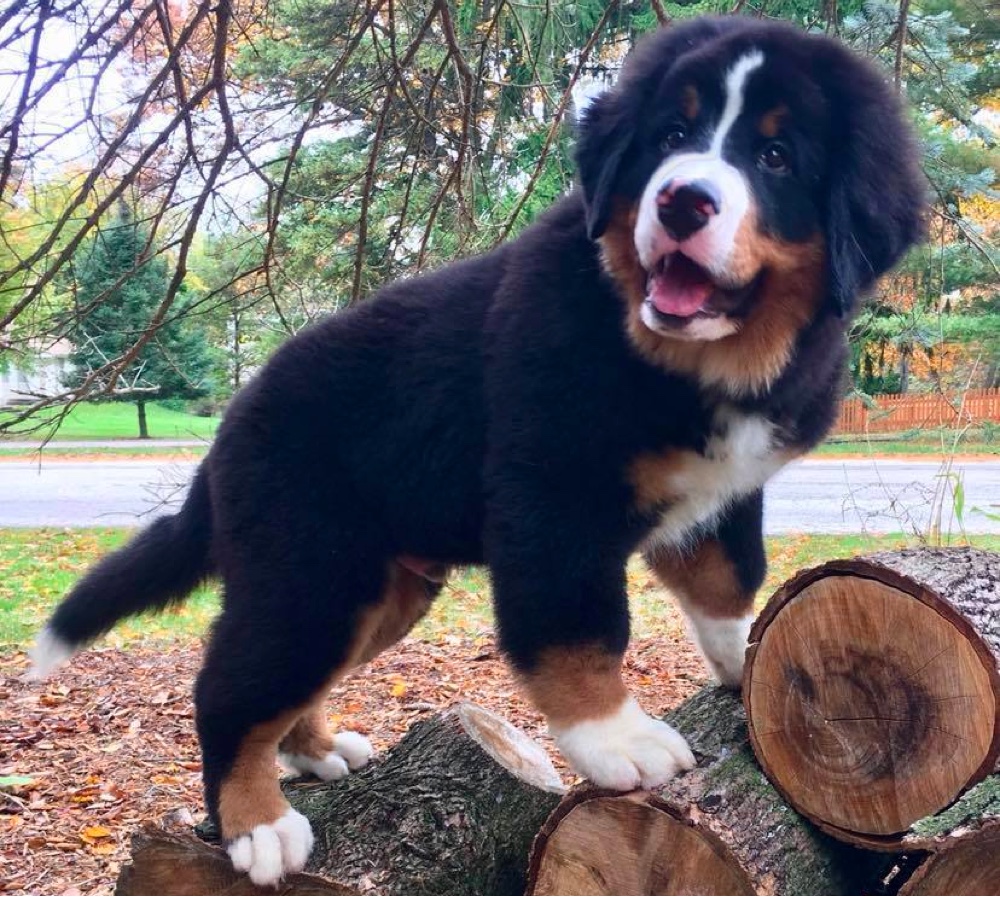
[{"x": 679, "y": 290}]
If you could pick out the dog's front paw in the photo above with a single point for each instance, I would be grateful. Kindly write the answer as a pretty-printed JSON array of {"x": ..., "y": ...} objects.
[
  {"x": 272, "y": 851},
  {"x": 627, "y": 750}
]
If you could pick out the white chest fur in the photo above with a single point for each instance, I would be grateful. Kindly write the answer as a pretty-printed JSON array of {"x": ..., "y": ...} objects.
[{"x": 740, "y": 456}]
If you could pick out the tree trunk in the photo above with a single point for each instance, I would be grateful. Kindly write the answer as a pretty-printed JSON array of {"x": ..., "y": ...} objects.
[
  {"x": 873, "y": 692},
  {"x": 452, "y": 809},
  {"x": 720, "y": 829},
  {"x": 143, "y": 429}
]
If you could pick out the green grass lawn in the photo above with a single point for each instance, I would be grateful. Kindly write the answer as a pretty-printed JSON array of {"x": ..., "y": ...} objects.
[
  {"x": 37, "y": 566},
  {"x": 152, "y": 449},
  {"x": 915, "y": 442},
  {"x": 119, "y": 420}
]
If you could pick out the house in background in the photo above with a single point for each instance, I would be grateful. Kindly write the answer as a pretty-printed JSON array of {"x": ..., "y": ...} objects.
[{"x": 43, "y": 377}]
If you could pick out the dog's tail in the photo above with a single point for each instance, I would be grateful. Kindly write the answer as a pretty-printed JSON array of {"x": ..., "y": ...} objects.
[{"x": 159, "y": 567}]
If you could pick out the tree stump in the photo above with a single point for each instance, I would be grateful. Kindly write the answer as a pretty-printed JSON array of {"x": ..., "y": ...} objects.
[
  {"x": 872, "y": 688},
  {"x": 720, "y": 829},
  {"x": 452, "y": 809}
]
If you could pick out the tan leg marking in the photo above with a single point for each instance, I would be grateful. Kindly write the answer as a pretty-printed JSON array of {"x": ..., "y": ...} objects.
[
  {"x": 408, "y": 597},
  {"x": 310, "y": 736},
  {"x": 704, "y": 578},
  {"x": 250, "y": 796},
  {"x": 571, "y": 685}
]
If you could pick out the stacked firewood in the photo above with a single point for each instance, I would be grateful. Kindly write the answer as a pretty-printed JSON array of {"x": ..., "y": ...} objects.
[{"x": 861, "y": 758}]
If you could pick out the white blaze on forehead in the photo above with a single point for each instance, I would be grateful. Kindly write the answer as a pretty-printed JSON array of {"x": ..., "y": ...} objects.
[
  {"x": 736, "y": 82},
  {"x": 712, "y": 246}
]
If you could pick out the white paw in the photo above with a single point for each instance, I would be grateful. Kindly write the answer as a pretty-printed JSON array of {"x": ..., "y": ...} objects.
[
  {"x": 354, "y": 748},
  {"x": 273, "y": 851},
  {"x": 328, "y": 768},
  {"x": 627, "y": 750},
  {"x": 350, "y": 751},
  {"x": 723, "y": 642}
]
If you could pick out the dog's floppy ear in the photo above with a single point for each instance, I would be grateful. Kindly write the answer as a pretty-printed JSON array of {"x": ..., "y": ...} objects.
[
  {"x": 878, "y": 194},
  {"x": 604, "y": 138}
]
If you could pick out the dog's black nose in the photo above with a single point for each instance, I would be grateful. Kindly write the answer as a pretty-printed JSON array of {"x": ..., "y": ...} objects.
[{"x": 684, "y": 209}]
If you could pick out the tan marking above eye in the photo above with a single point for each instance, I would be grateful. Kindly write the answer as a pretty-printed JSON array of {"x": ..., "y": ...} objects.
[
  {"x": 690, "y": 102},
  {"x": 771, "y": 121}
]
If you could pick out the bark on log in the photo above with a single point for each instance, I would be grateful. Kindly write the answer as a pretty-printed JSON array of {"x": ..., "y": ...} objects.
[
  {"x": 720, "y": 829},
  {"x": 452, "y": 809},
  {"x": 872, "y": 689}
]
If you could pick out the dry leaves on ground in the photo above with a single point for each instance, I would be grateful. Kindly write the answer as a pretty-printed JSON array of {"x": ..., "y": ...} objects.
[{"x": 109, "y": 743}]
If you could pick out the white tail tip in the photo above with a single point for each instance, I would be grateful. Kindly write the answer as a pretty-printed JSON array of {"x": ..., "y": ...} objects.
[{"x": 50, "y": 651}]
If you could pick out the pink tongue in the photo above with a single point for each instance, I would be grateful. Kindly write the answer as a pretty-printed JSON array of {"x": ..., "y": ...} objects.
[{"x": 681, "y": 290}]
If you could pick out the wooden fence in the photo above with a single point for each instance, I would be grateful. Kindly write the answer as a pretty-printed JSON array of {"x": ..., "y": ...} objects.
[{"x": 897, "y": 413}]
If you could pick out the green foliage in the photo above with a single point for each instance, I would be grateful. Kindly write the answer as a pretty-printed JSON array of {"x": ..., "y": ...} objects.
[
  {"x": 120, "y": 285},
  {"x": 416, "y": 170},
  {"x": 385, "y": 144}
]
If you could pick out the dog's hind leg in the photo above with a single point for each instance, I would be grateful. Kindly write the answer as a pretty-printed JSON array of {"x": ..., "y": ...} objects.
[
  {"x": 275, "y": 652},
  {"x": 298, "y": 615},
  {"x": 310, "y": 748}
]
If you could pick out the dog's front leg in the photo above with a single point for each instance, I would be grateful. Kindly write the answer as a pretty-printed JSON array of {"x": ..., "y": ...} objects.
[
  {"x": 563, "y": 619},
  {"x": 715, "y": 581},
  {"x": 597, "y": 725}
]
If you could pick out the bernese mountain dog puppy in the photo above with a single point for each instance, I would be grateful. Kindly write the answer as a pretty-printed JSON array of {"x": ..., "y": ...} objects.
[{"x": 624, "y": 376}]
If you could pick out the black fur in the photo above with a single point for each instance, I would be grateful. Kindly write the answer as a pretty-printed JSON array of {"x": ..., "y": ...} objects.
[
  {"x": 876, "y": 210},
  {"x": 488, "y": 412}
]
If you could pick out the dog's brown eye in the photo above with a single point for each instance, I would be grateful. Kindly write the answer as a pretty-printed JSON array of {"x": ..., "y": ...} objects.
[
  {"x": 675, "y": 138},
  {"x": 774, "y": 157}
]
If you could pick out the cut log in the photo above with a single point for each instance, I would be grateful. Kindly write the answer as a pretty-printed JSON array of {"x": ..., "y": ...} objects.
[
  {"x": 164, "y": 862},
  {"x": 452, "y": 809},
  {"x": 962, "y": 845},
  {"x": 720, "y": 829},
  {"x": 872, "y": 688}
]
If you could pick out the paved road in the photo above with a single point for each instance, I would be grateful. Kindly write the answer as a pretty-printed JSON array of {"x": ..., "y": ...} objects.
[{"x": 819, "y": 496}]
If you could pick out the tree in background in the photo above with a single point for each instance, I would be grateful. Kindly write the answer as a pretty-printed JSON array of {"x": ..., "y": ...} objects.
[
  {"x": 118, "y": 289},
  {"x": 340, "y": 144},
  {"x": 930, "y": 325}
]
